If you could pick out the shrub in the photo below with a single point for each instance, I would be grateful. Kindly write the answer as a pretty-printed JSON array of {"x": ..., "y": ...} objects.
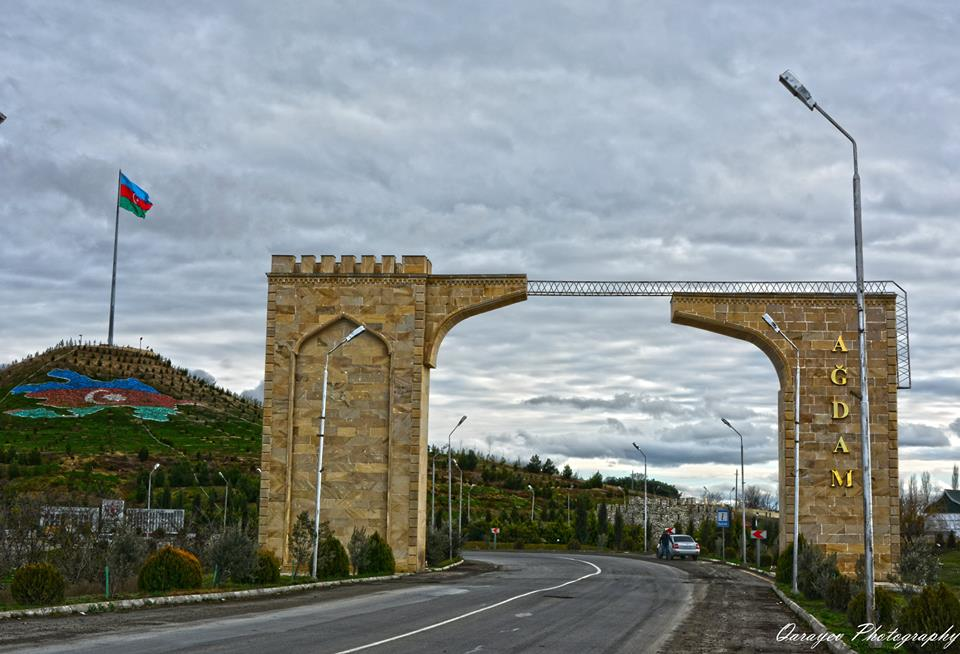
[
  {"x": 785, "y": 562},
  {"x": 233, "y": 555},
  {"x": 125, "y": 554},
  {"x": 357, "y": 548},
  {"x": 438, "y": 546},
  {"x": 170, "y": 568},
  {"x": 38, "y": 583},
  {"x": 935, "y": 609},
  {"x": 815, "y": 571},
  {"x": 837, "y": 595},
  {"x": 332, "y": 559},
  {"x": 628, "y": 544},
  {"x": 885, "y": 604},
  {"x": 574, "y": 544},
  {"x": 267, "y": 570},
  {"x": 918, "y": 563},
  {"x": 379, "y": 557}
]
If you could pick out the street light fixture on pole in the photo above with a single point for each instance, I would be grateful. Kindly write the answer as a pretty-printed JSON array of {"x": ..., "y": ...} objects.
[
  {"x": 533, "y": 500},
  {"x": 460, "y": 508},
  {"x": 150, "y": 485},
  {"x": 2, "y": 118},
  {"x": 798, "y": 89},
  {"x": 469, "y": 490},
  {"x": 450, "y": 485},
  {"x": 226, "y": 497},
  {"x": 743, "y": 496},
  {"x": 644, "y": 497},
  {"x": 433, "y": 490},
  {"x": 323, "y": 424},
  {"x": 796, "y": 446}
]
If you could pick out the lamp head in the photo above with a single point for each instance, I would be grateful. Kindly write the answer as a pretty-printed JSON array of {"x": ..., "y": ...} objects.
[
  {"x": 2, "y": 118},
  {"x": 636, "y": 446},
  {"x": 529, "y": 486},
  {"x": 155, "y": 466},
  {"x": 462, "y": 420},
  {"x": 797, "y": 89},
  {"x": 259, "y": 471},
  {"x": 356, "y": 332},
  {"x": 770, "y": 321},
  {"x": 221, "y": 475},
  {"x": 726, "y": 422}
]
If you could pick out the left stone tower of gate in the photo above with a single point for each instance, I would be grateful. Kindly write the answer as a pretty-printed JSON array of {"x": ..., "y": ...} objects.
[{"x": 375, "y": 450}]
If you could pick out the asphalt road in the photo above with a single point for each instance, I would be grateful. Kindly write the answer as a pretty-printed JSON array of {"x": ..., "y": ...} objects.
[{"x": 527, "y": 602}]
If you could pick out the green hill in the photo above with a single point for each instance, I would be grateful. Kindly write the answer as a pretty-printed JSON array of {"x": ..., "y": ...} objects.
[{"x": 107, "y": 413}]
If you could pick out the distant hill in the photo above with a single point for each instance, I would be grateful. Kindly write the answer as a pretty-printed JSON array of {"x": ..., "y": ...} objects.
[{"x": 104, "y": 411}]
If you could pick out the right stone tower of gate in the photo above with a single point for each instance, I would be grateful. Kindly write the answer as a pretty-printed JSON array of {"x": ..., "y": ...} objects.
[{"x": 824, "y": 327}]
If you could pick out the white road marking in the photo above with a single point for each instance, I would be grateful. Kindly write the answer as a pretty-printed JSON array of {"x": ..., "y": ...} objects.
[
  {"x": 476, "y": 611},
  {"x": 522, "y": 615}
]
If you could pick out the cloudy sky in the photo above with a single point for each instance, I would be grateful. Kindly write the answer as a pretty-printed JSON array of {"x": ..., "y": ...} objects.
[{"x": 564, "y": 140}]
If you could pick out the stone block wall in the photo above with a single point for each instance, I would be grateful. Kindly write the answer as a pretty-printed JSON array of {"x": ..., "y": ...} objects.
[{"x": 375, "y": 449}]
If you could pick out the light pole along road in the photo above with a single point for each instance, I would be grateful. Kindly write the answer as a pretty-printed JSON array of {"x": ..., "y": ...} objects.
[
  {"x": 743, "y": 498},
  {"x": 801, "y": 93},
  {"x": 796, "y": 446},
  {"x": 323, "y": 425},
  {"x": 644, "y": 497}
]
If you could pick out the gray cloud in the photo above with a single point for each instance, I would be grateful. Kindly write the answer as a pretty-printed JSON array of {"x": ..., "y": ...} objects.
[
  {"x": 575, "y": 141},
  {"x": 913, "y": 435}
]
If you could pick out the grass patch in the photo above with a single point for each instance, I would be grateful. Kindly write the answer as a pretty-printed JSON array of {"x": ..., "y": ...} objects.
[{"x": 837, "y": 623}]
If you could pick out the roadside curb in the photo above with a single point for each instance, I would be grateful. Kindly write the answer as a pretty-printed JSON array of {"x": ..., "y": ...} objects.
[
  {"x": 196, "y": 598},
  {"x": 837, "y": 647}
]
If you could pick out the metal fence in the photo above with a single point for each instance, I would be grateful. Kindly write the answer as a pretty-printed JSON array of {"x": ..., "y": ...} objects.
[
  {"x": 110, "y": 514},
  {"x": 558, "y": 288}
]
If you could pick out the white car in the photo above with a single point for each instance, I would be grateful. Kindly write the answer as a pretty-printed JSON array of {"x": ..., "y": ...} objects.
[{"x": 678, "y": 545}]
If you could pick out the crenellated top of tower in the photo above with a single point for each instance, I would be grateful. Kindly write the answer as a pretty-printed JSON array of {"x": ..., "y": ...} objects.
[{"x": 348, "y": 264}]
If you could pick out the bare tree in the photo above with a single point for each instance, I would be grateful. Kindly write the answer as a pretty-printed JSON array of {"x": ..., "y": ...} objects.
[
  {"x": 758, "y": 498},
  {"x": 915, "y": 499}
]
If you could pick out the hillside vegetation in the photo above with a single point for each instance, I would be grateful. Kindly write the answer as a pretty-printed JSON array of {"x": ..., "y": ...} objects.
[{"x": 92, "y": 451}]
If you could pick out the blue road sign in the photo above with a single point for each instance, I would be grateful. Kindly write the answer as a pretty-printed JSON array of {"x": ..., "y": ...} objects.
[{"x": 723, "y": 517}]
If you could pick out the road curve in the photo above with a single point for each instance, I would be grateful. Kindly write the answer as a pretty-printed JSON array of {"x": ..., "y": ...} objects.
[{"x": 555, "y": 602}]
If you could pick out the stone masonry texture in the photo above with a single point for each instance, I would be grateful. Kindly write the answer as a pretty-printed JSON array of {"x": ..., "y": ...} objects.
[
  {"x": 375, "y": 449},
  {"x": 831, "y": 515}
]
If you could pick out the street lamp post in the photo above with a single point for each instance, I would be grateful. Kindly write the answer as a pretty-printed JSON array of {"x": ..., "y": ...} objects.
[
  {"x": 533, "y": 500},
  {"x": 323, "y": 424},
  {"x": 460, "y": 508},
  {"x": 743, "y": 496},
  {"x": 450, "y": 486},
  {"x": 798, "y": 89},
  {"x": 644, "y": 497},
  {"x": 226, "y": 497},
  {"x": 796, "y": 446},
  {"x": 433, "y": 490},
  {"x": 469, "y": 490},
  {"x": 150, "y": 485}
]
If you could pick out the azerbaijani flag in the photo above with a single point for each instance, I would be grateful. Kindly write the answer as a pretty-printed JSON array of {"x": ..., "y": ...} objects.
[{"x": 133, "y": 198}]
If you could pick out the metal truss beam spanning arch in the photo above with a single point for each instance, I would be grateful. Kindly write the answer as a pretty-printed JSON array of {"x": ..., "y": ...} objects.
[{"x": 558, "y": 288}]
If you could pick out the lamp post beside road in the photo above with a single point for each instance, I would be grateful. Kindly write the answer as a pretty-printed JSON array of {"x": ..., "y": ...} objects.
[
  {"x": 450, "y": 486},
  {"x": 150, "y": 485},
  {"x": 800, "y": 91},
  {"x": 796, "y": 446},
  {"x": 533, "y": 500},
  {"x": 323, "y": 424},
  {"x": 743, "y": 496},
  {"x": 644, "y": 497}
]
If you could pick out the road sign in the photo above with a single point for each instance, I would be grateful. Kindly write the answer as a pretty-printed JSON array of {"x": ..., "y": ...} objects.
[
  {"x": 723, "y": 518},
  {"x": 496, "y": 530},
  {"x": 759, "y": 534}
]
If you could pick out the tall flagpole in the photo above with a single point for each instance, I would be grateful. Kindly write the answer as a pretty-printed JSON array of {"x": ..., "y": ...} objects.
[{"x": 113, "y": 283}]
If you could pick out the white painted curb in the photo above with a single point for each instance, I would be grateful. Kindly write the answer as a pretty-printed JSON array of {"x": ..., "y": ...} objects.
[{"x": 169, "y": 600}]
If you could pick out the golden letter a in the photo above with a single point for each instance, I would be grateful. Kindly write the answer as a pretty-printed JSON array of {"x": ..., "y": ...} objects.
[
  {"x": 841, "y": 447},
  {"x": 840, "y": 346}
]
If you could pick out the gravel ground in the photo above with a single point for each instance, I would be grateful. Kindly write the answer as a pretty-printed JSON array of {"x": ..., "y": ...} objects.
[{"x": 733, "y": 611}]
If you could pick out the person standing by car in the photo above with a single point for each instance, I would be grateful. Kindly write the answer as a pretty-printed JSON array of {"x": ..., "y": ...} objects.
[{"x": 662, "y": 549}]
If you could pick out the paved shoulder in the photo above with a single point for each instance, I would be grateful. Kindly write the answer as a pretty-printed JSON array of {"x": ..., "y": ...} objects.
[{"x": 732, "y": 611}]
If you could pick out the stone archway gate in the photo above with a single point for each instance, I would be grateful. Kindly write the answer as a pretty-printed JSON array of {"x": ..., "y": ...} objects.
[{"x": 375, "y": 457}]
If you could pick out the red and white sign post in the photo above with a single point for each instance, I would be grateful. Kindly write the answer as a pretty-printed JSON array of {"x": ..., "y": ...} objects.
[{"x": 494, "y": 531}]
